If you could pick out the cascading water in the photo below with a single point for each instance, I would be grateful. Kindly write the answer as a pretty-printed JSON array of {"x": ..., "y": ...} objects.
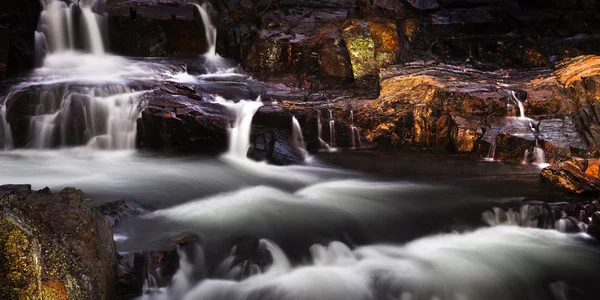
[
  {"x": 239, "y": 133},
  {"x": 519, "y": 103},
  {"x": 298, "y": 138},
  {"x": 354, "y": 131},
  {"x": 102, "y": 117},
  {"x": 6, "y": 141},
  {"x": 209, "y": 29},
  {"x": 320, "y": 132},
  {"x": 331, "y": 129},
  {"x": 69, "y": 27},
  {"x": 435, "y": 267}
]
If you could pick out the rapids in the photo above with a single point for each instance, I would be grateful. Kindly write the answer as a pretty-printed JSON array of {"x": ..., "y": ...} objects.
[{"x": 343, "y": 225}]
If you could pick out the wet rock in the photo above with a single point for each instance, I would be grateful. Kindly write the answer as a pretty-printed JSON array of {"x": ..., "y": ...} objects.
[
  {"x": 176, "y": 123},
  {"x": 57, "y": 246},
  {"x": 154, "y": 28},
  {"x": 576, "y": 175},
  {"x": 121, "y": 210},
  {"x": 272, "y": 139}
]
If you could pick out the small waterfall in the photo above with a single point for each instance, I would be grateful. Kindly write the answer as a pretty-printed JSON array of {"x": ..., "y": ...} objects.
[
  {"x": 209, "y": 29},
  {"x": 298, "y": 138},
  {"x": 492, "y": 151},
  {"x": 331, "y": 129},
  {"x": 320, "y": 132},
  {"x": 239, "y": 133},
  {"x": 101, "y": 117},
  {"x": 519, "y": 103},
  {"x": 62, "y": 26},
  {"x": 6, "y": 141},
  {"x": 354, "y": 132}
]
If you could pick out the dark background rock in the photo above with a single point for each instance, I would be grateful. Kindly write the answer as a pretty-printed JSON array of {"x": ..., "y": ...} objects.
[{"x": 18, "y": 22}]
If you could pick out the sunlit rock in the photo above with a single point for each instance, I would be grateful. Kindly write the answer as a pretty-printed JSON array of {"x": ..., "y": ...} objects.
[{"x": 577, "y": 175}]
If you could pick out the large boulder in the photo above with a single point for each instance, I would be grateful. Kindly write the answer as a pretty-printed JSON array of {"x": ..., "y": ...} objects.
[
  {"x": 178, "y": 123},
  {"x": 54, "y": 246}
]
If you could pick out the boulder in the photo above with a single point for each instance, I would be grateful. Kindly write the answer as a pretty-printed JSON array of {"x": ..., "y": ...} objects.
[
  {"x": 272, "y": 137},
  {"x": 54, "y": 246},
  {"x": 176, "y": 123},
  {"x": 576, "y": 175}
]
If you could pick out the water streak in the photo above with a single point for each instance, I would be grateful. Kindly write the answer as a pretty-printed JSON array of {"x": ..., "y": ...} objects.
[
  {"x": 209, "y": 29},
  {"x": 239, "y": 133}
]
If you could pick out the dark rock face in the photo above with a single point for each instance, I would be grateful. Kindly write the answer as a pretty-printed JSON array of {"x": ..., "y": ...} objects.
[
  {"x": 55, "y": 245},
  {"x": 154, "y": 28},
  {"x": 18, "y": 22},
  {"x": 271, "y": 137},
  {"x": 177, "y": 123}
]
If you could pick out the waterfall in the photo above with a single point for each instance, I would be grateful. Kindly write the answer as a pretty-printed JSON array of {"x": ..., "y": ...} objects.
[
  {"x": 492, "y": 151},
  {"x": 354, "y": 131},
  {"x": 61, "y": 26},
  {"x": 239, "y": 133},
  {"x": 6, "y": 141},
  {"x": 331, "y": 129},
  {"x": 298, "y": 138},
  {"x": 519, "y": 103},
  {"x": 101, "y": 117},
  {"x": 320, "y": 132},
  {"x": 209, "y": 29}
]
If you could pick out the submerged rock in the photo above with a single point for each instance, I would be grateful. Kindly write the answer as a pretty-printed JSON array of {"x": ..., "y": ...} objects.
[{"x": 54, "y": 246}]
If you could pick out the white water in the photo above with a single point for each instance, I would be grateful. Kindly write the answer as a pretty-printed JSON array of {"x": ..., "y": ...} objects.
[
  {"x": 492, "y": 151},
  {"x": 209, "y": 29},
  {"x": 331, "y": 129},
  {"x": 239, "y": 133},
  {"x": 354, "y": 132},
  {"x": 519, "y": 103},
  {"x": 533, "y": 217},
  {"x": 57, "y": 32},
  {"x": 497, "y": 263},
  {"x": 298, "y": 138},
  {"x": 6, "y": 135}
]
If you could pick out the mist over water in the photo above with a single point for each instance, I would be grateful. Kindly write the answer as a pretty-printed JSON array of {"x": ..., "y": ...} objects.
[{"x": 333, "y": 232}]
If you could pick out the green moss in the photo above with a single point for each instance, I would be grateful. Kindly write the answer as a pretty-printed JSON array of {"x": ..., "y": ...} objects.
[{"x": 16, "y": 263}]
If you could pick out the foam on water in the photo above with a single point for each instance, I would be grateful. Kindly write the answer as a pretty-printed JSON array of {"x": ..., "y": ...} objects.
[{"x": 494, "y": 263}]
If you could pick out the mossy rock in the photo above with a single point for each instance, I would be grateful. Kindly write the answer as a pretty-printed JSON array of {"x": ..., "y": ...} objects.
[{"x": 54, "y": 246}]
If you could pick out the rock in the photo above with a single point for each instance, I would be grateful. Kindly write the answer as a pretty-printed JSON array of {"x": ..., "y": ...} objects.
[
  {"x": 55, "y": 245},
  {"x": 176, "y": 123},
  {"x": 573, "y": 176},
  {"x": 18, "y": 22},
  {"x": 387, "y": 9},
  {"x": 371, "y": 45},
  {"x": 424, "y": 4},
  {"x": 154, "y": 28},
  {"x": 271, "y": 138},
  {"x": 119, "y": 211}
]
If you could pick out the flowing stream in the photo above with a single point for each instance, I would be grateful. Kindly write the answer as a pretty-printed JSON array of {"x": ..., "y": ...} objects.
[{"x": 334, "y": 231}]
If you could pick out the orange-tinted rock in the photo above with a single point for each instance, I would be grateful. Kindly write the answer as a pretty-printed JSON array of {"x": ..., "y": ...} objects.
[
  {"x": 573, "y": 176},
  {"x": 372, "y": 46}
]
